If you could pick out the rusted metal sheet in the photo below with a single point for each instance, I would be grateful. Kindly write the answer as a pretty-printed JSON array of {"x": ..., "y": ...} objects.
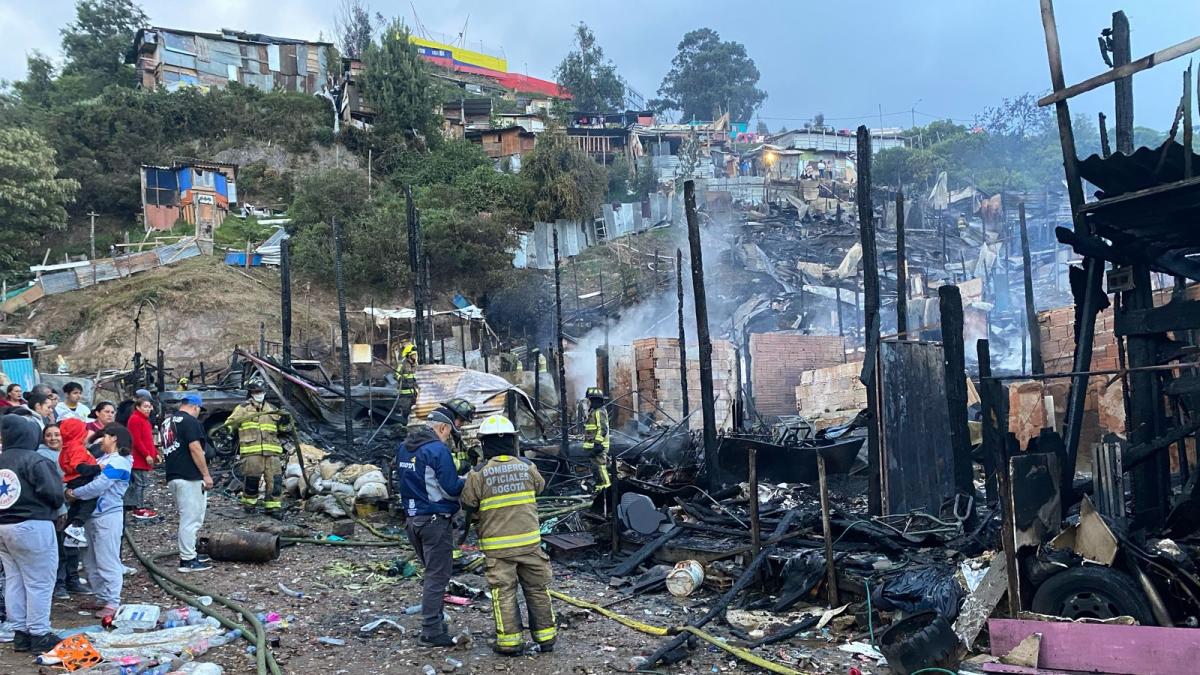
[
  {"x": 916, "y": 456},
  {"x": 59, "y": 282},
  {"x": 439, "y": 383}
]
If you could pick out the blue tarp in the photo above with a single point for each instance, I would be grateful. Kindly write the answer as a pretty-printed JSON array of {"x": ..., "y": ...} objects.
[
  {"x": 222, "y": 185},
  {"x": 239, "y": 258}
]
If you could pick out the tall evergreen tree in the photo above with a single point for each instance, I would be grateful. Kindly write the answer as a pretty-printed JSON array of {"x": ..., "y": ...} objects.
[{"x": 590, "y": 78}]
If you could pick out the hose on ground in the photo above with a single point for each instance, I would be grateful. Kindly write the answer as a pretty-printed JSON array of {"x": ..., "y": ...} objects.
[
  {"x": 659, "y": 631},
  {"x": 265, "y": 661},
  {"x": 334, "y": 542}
]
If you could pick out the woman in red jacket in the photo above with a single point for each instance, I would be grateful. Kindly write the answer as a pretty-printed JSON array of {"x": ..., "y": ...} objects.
[{"x": 145, "y": 456}]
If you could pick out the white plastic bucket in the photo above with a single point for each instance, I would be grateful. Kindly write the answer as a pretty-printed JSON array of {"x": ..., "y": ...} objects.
[{"x": 687, "y": 576}]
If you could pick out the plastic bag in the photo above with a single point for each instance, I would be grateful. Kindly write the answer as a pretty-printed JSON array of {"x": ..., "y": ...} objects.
[{"x": 925, "y": 588}]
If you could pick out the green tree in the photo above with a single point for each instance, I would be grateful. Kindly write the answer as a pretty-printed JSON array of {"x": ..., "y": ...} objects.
[
  {"x": 709, "y": 77},
  {"x": 352, "y": 26},
  {"x": 99, "y": 39},
  {"x": 590, "y": 78},
  {"x": 562, "y": 180},
  {"x": 37, "y": 89},
  {"x": 646, "y": 182},
  {"x": 618, "y": 180},
  {"x": 400, "y": 91},
  {"x": 33, "y": 197},
  {"x": 762, "y": 129}
]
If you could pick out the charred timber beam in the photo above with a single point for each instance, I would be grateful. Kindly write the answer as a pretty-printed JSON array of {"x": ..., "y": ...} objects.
[
  {"x": 414, "y": 267},
  {"x": 285, "y": 301},
  {"x": 1122, "y": 251},
  {"x": 996, "y": 445},
  {"x": 1187, "y": 384},
  {"x": 901, "y": 271},
  {"x": 870, "y": 270},
  {"x": 1031, "y": 323},
  {"x": 1173, "y": 316},
  {"x": 643, "y": 554},
  {"x": 748, "y": 574},
  {"x": 558, "y": 336},
  {"x": 955, "y": 363},
  {"x": 1135, "y": 455},
  {"x": 683, "y": 382},
  {"x": 1145, "y": 63},
  {"x": 707, "y": 405},
  {"x": 1150, "y": 484},
  {"x": 1122, "y": 54}
]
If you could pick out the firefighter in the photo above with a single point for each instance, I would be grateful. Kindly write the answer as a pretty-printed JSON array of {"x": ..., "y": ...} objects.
[
  {"x": 595, "y": 436},
  {"x": 406, "y": 383},
  {"x": 258, "y": 425},
  {"x": 464, "y": 413},
  {"x": 502, "y": 496}
]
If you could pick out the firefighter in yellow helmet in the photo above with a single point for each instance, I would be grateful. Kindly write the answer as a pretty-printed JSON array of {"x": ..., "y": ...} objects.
[
  {"x": 406, "y": 383},
  {"x": 502, "y": 496},
  {"x": 258, "y": 425},
  {"x": 465, "y": 456},
  {"x": 595, "y": 436}
]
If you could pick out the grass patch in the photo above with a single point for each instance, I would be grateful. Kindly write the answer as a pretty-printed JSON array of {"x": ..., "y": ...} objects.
[{"x": 235, "y": 232}]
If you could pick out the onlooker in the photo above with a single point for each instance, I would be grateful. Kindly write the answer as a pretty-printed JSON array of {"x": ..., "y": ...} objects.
[
  {"x": 102, "y": 559},
  {"x": 30, "y": 496},
  {"x": 73, "y": 406},
  {"x": 125, "y": 409},
  {"x": 145, "y": 456},
  {"x": 188, "y": 478},
  {"x": 41, "y": 406},
  {"x": 53, "y": 398},
  {"x": 68, "y": 558},
  {"x": 12, "y": 396},
  {"x": 104, "y": 414},
  {"x": 79, "y": 468}
]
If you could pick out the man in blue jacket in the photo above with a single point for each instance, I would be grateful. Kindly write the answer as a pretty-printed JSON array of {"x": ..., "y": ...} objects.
[{"x": 429, "y": 490}]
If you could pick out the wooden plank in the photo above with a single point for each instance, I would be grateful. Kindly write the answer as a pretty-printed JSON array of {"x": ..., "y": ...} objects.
[
  {"x": 1106, "y": 648},
  {"x": 1175, "y": 315},
  {"x": 1145, "y": 63}
]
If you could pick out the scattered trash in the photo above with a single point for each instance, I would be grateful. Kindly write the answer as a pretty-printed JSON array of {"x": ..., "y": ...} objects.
[
  {"x": 380, "y": 622},
  {"x": 331, "y": 641},
  {"x": 933, "y": 587},
  {"x": 288, "y": 591},
  {"x": 685, "y": 578},
  {"x": 137, "y": 617}
]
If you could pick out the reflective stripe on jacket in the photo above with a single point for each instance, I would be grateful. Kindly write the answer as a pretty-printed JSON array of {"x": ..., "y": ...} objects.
[
  {"x": 406, "y": 378},
  {"x": 504, "y": 492}
]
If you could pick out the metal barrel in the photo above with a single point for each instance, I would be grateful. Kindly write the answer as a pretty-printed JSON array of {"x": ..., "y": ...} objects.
[{"x": 241, "y": 546}]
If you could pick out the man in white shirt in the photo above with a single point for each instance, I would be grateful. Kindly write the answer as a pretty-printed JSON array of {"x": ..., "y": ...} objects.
[{"x": 73, "y": 405}]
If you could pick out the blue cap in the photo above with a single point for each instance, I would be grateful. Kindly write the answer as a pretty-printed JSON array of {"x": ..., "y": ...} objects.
[{"x": 193, "y": 399}]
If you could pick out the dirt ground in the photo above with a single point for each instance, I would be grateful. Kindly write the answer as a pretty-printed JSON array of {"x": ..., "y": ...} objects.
[{"x": 338, "y": 603}]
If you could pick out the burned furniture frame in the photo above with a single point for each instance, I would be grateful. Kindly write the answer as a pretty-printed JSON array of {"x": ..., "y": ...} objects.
[{"x": 1141, "y": 222}]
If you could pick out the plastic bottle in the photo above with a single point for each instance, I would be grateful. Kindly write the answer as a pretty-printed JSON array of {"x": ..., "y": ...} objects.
[
  {"x": 428, "y": 670},
  {"x": 197, "y": 647},
  {"x": 180, "y": 614},
  {"x": 225, "y": 638},
  {"x": 415, "y": 609}
]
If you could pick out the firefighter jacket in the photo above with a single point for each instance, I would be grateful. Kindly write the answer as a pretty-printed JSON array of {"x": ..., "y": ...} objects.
[
  {"x": 258, "y": 428},
  {"x": 503, "y": 492},
  {"x": 406, "y": 378},
  {"x": 595, "y": 431}
]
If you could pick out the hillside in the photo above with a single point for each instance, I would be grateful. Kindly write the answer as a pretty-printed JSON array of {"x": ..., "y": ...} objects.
[{"x": 205, "y": 309}]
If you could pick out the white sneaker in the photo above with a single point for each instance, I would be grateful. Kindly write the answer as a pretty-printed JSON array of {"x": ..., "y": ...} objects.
[{"x": 77, "y": 534}]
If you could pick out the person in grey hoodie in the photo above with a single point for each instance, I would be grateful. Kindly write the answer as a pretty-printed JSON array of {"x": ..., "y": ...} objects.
[
  {"x": 30, "y": 496},
  {"x": 102, "y": 558}
]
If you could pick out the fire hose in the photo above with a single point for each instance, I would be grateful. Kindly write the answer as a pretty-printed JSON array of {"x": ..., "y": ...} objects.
[{"x": 265, "y": 660}]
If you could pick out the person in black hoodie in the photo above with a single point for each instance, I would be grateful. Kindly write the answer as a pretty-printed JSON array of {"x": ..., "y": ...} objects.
[{"x": 31, "y": 494}]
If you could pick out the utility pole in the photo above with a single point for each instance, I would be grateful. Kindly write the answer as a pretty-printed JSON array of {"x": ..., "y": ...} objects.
[
  {"x": 558, "y": 336},
  {"x": 347, "y": 401},
  {"x": 414, "y": 266},
  {"x": 683, "y": 383},
  {"x": 702, "y": 337},
  {"x": 92, "y": 215}
]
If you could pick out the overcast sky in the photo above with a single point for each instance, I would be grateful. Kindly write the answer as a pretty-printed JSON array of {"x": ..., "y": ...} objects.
[{"x": 846, "y": 59}]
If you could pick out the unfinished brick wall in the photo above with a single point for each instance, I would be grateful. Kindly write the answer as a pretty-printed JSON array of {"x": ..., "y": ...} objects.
[
  {"x": 777, "y": 361},
  {"x": 831, "y": 396},
  {"x": 659, "y": 387},
  {"x": 1058, "y": 354}
]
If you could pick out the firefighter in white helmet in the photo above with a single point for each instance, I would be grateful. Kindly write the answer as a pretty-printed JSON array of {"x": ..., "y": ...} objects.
[{"x": 502, "y": 496}]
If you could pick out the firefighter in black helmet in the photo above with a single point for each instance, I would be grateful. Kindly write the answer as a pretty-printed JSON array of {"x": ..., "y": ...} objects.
[
  {"x": 595, "y": 436},
  {"x": 464, "y": 413}
]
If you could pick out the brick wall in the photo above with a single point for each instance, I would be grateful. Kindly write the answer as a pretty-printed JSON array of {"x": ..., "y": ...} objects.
[
  {"x": 831, "y": 396},
  {"x": 777, "y": 361},
  {"x": 658, "y": 383}
]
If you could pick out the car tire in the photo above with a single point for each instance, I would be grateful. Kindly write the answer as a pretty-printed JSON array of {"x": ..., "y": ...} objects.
[
  {"x": 1092, "y": 592},
  {"x": 920, "y": 642}
]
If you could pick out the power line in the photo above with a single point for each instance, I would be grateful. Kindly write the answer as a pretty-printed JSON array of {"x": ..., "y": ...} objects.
[{"x": 872, "y": 115}]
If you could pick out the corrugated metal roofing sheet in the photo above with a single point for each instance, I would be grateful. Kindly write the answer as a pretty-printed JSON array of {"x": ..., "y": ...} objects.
[
  {"x": 60, "y": 282},
  {"x": 181, "y": 250},
  {"x": 1120, "y": 173}
]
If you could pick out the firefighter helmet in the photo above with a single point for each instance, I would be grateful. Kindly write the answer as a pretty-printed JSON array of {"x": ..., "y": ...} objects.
[
  {"x": 254, "y": 387},
  {"x": 496, "y": 425},
  {"x": 461, "y": 407},
  {"x": 409, "y": 350},
  {"x": 596, "y": 392}
]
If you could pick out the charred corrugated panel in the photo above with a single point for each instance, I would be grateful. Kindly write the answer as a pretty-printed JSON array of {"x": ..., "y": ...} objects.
[{"x": 917, "y": 460}]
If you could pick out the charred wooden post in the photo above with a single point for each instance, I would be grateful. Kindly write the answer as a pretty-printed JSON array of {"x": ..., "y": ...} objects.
[
  {"x": 558, "y": 337},
  {"x": 1091, "y": 293},
  {"x": 755, "y": 524},
  {"x": 995, "y": 445},
  {"x": 285, "y": 301},
  {"x": 1122, "y": 53},
  {"x": 827, "y": 532},
  {"x": 870, "y": 271},
  {"x": 1031, "y": 323},
  {"x": 160, "y": 379},
  {"x": 955, "y": 360},
  {"x": 1150, "y": 480},
  {"x": 1105, "y": 148},
  {"x": 462, "y": 339},
  {"x": 901, "y": 271},
  {"x": 683, "y": 382},
  {"x": 536, "y": 367},
  {"x": 702, "y": 337},
  {"x": 339, "y": 280},
  {"x": 414, "y": 267}
]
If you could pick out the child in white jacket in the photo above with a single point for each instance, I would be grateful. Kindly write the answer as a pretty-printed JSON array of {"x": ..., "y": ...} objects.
[{"x": 102, "y": 557}]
